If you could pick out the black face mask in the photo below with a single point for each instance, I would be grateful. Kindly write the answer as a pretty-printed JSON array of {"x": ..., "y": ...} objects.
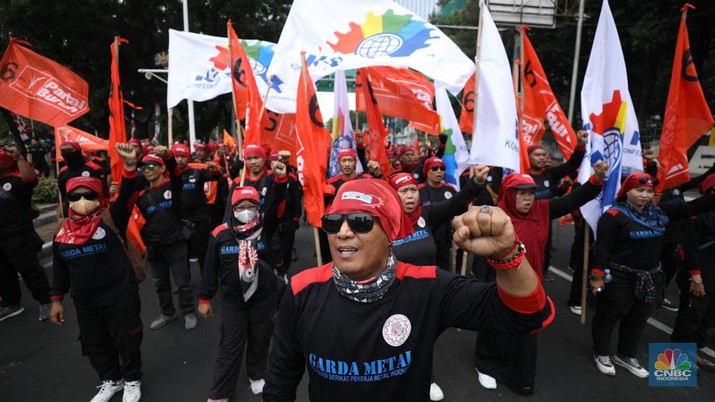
[{"x": 73, "y": 158}]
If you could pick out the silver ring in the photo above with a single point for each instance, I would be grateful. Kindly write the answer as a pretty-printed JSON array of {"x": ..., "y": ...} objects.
[
  {"x": 599, "y": 289},
  {"x": 485, "y": 209}
]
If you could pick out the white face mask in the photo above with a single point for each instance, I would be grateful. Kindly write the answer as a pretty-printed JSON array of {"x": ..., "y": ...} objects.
[
  {"x": 245, "y": 216},
  {"x": 84, "y": 207}
]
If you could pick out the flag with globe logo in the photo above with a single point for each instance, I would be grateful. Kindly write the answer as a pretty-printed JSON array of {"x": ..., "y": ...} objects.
[{"x": 345, "y": 34}]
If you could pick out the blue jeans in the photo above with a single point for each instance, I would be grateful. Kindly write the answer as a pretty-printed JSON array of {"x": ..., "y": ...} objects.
[{"x": 163, "y": 260}]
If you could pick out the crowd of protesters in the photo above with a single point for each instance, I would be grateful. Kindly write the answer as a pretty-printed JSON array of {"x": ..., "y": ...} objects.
[{"x": 389, "y": 248}]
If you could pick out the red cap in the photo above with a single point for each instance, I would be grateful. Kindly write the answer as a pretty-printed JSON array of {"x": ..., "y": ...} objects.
[
  {"x": 390, "y": 152},
  {"x": 533, "y": 148},
  {"x": 148, "y": 149},
  {"x": 252, "y": 150},
  {"x": 152, "y": 159},
  {"x": 74, "y": 144},
  {"x": 399, "y": 180},
  {"x": 180, "y": 150},
  {"x": 517, "y": 181},
  {"x": 707, "y": 184},
  {"x": 430, "y": 162},
  {"x": 274, "y": 156},
  {"x": 200, "y": 146},
  {"x": 378, "y": 199},
  {"x": 634, "y": 181},
  {"x": 407, "y": 149},
  {"x": 347, "y": 153},
  {"x": 91, "y": 183},
  {"x": 7, "y": 160},
  {"x": 245, "y": 193},
  {"x": 135, "y": 141}
]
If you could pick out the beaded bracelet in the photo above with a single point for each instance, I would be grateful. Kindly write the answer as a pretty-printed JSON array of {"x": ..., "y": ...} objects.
[
  {"x": 511, "y": 250},
  {"x": 512, "y": 262}
]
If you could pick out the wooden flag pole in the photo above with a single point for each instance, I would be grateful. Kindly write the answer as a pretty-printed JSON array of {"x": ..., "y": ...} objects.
[
  {"x": 169, "y": 126},
  {"x": 465, "y": 255},
  {"x": 584, "y": 279}
]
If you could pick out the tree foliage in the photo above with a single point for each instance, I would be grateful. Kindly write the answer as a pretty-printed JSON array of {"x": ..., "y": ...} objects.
[
  {"x": 78, "y": 34},
  {"x": 647, "y": 29}
]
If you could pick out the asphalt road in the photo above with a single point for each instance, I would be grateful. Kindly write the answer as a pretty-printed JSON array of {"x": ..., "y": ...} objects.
[{"x": 42, "y": 362}]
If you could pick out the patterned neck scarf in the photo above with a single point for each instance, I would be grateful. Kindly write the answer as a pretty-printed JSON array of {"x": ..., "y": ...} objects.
[
  {"x": 247, "y": 236},
  {"x": 370, "y": 290},
  {"x": 651, "y": 217}
]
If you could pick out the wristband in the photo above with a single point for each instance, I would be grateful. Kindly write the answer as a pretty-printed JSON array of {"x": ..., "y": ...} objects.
[
  {"x": 511, "y": 250},
  {"x": 512, "y": 262}
]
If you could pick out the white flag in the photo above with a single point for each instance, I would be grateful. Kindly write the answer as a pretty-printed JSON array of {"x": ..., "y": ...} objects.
[
  {"x": 604, "y": 94},
  {"x": 349, "y": 34},
  {"x": 456, "y": 154},
  {"x": 341, "y": 118},
  {"x": 198, "y": 67},
  {"x": 495, "y": 141}
]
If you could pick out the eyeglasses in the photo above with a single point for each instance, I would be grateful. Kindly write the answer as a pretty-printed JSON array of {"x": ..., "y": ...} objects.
[
  {"x": 436, "y": 168},
  {"x": 147, "y": 168},
  {"x": 89, "y": 196},
  {"x": 358, "y": 222},
  {"x": 245, "y": 208}
]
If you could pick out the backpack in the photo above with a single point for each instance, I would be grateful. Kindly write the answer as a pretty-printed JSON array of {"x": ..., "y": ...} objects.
[{"x": 134, "y": 256}]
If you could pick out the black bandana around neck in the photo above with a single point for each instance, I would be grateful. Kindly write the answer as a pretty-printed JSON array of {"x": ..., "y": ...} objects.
[{"x": 370, "y": 290}]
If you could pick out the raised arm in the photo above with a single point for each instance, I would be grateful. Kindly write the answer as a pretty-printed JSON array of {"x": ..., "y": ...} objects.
[
  {"x": 563, "y": 205},
  {"x": 444, "y": 211},
  {"x": 121, "y": 209},
  {"x": 559, "y": 172}
]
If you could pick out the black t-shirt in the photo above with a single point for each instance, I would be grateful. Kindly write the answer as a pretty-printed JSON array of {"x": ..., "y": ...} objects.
[
  {"x": 15, "y": 202},
  {"x": 382, "y": 350},
  {"x": 193, "y": 197}
]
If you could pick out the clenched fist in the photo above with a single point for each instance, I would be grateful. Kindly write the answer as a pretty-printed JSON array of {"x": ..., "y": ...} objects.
[{"x": 484, "y": 230}]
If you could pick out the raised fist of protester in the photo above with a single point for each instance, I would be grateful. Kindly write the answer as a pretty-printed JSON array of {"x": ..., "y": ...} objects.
[
  {"x": 480, "y": 174},
  {"x": 205, "y": 310},
  {"x": 484, "y": 230},
  {"x": 161, "y": 151},
  {"x": 284, "y": 155},
  {"x": 649, "y": 154},
  {"x": 373, "y": 167},
  {"x": 128, "y": 154},
  {"x": 278, "y": 168},
  {"x": 582, "y": 137},
  {"x": 600, "y": 169}
]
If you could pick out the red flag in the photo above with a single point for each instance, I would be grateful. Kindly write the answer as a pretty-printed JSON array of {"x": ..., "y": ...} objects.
[
  {"x": 378, "y": 132},
  {"x": 313, "y": 147},
  {"x": 539, "y": 99},
  {"x": 278, "y": 131},
  {"x": 117, "y": 126},
  {"x": 40, "y": 89},
  {"x": 245, "y": 88},
  {"x": 402, "y": 93},
  {"x": 687, "y": 116},
  {"x": 466, "y": 117},
  {"x": 22, "y": 127},
  {"x": 86, "y": 141}
]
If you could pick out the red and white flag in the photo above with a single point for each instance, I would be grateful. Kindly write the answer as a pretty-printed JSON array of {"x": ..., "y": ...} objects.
[{"x": 40, "y": 89}]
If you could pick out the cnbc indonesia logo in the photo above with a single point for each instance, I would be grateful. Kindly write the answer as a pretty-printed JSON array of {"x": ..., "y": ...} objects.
[
  {"x": 673, "y": 367},
  {"x": 386, "y": 35}
]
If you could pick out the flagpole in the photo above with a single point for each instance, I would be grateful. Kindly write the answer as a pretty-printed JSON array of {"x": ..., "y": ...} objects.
[
  {"x": 584, "y": 277},
  {"x": 169, "y": 126},
  {"x": 265, "y": 96},
  {"x": 476, "y": 59},
  {"x": 577, "y": 52}
]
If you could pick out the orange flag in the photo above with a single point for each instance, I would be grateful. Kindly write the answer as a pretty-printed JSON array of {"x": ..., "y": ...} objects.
[
  {"x": 466, "y": 117},
  {"x": 117, "y": 126},
  {"x": 540, "y": 100},
  {"x": 378, "y": 132},
  {"x": 313, "y": 147},
  {"x": 402, "y": 93},
  {"x": 244, "y": 88},
  {"x": 40, "y": 89},
  {"x": 687, "y": 116},
  {"x": 228, "y": 140},
  {"x": 86, "y": 141},
  {"x": 278, "y": 131}
]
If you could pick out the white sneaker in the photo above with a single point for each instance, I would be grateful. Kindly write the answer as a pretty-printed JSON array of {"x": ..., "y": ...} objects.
[
  {"x": 44, "y": 312},
  {"x": 257, "y": 386},
  {"x": 435, "y": 392},
  {"x": 217, "y": 400},
  {"x": 190, "y": 321},
  {"x": 107, "y": 390},
  {"x": 631, "y": 364},
  {"x": 486, "y": 381},
  {"x": 132, "y": 391},
  {"x": 575, "y": 309},
  {"x": 604, "y": 365}
]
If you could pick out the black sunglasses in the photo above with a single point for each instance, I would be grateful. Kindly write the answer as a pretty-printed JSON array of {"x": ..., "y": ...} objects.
[
  {"x": 89, "y": 196},
  {"x": 148, "y": 168},
  {"x": 436, "y": 168},
  {"x": 646, "y": 180},
  {"x": 358, "y": 222}
]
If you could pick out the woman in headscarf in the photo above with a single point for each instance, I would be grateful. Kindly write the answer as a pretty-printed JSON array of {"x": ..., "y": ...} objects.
[
  {"x": 511, "y": 359},
  {"x": 629, "y": 241},
  {"x": 238, "y": 259},
  {"x": 420, "y": 248},
  {"x": 91, "y": 263}
]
